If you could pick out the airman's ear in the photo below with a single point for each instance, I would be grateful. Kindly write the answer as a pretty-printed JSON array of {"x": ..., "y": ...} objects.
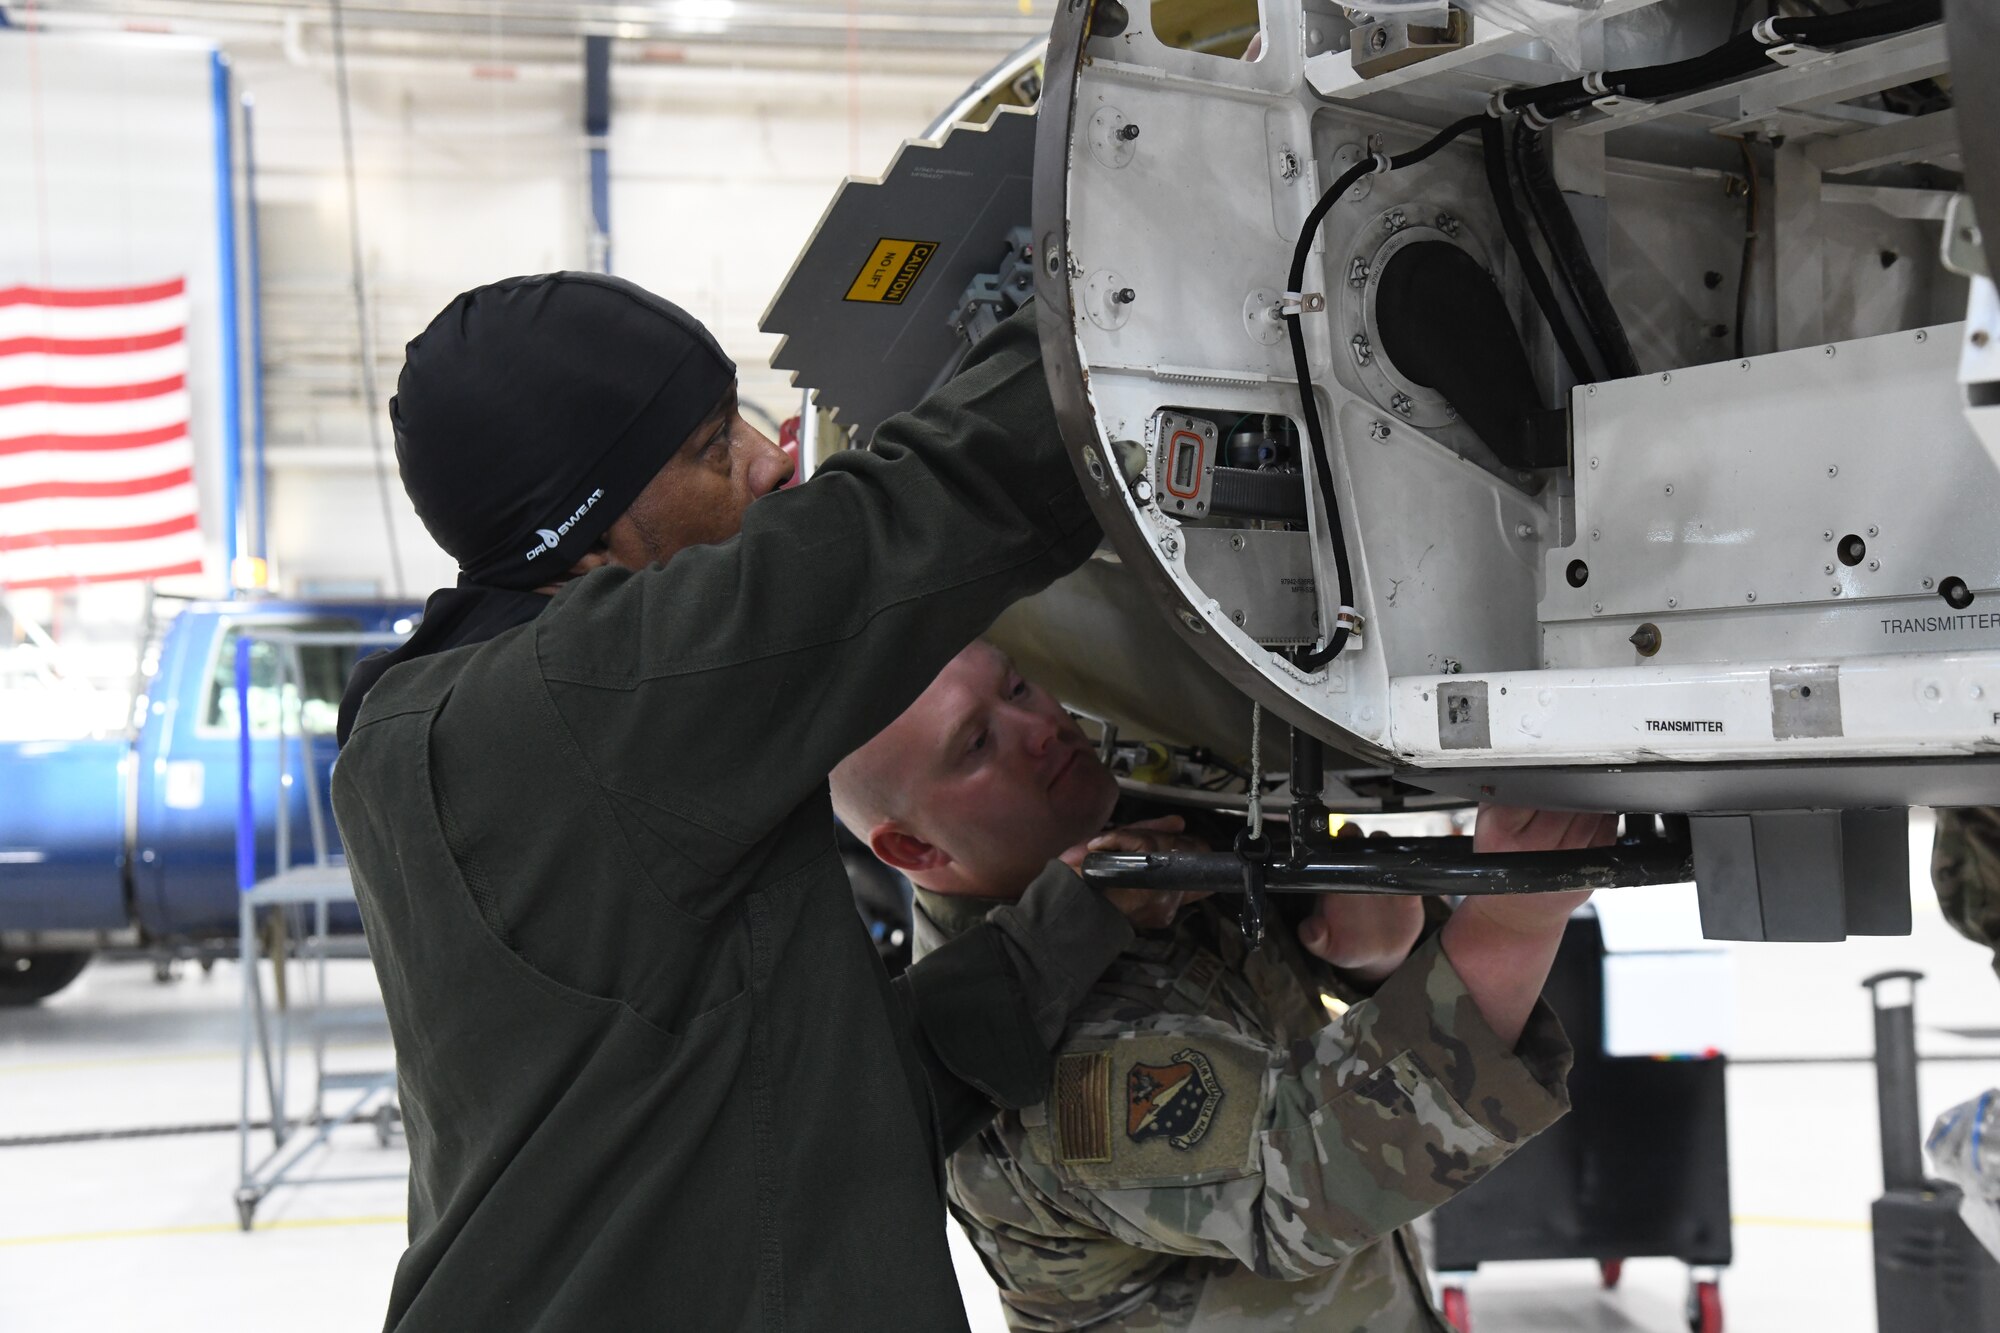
[
  {"x": 902, "y": 850},
  {"x": 597, "y": 557}
]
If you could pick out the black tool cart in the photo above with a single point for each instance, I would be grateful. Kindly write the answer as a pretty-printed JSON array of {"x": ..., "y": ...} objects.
[{"x": 1640, "y": 1166}]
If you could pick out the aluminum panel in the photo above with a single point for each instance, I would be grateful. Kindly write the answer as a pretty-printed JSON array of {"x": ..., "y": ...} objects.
[{"x": 1734, "y": 485}]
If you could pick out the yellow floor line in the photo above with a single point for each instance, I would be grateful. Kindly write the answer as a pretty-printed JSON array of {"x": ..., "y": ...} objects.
[
  {"x": 205, "y": 1229},
  {"x": 1804, "y": 1223}
]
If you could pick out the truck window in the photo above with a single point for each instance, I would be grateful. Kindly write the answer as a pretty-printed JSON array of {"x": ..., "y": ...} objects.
[{"x": 311, "y": 700}]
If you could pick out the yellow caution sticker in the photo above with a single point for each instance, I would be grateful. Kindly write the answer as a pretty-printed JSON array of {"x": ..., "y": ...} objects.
[{"x": 891, "y": 271}]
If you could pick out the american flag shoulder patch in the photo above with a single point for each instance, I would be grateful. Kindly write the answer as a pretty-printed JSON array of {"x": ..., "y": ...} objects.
[{"x": 1083, "y": 1107}]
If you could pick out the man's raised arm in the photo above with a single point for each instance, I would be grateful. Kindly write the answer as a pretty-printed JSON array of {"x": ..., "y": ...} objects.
[{"x": 725, "y": 684}]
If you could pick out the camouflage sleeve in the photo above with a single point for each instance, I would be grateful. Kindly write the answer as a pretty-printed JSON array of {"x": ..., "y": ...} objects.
[
  {"x": 1182, "y": 1135},
  {"x": 1349, "y": 989},
  {"x": 1965, "y": 871}
]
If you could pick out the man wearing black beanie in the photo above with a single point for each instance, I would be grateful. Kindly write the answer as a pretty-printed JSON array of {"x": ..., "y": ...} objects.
[{"x": 652, "y": 1073}]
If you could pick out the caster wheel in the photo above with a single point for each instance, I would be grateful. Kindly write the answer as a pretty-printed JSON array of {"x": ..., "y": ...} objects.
[
  {"x": 166, "y": 971},
  {"x": 207, "y": 965},
  {"x": 1704, "y": 1308},
  {"x": 1610, "y": 1270},
  {"x": 386, "y": 1118},
  {"x": 1456, "y": 1310}
]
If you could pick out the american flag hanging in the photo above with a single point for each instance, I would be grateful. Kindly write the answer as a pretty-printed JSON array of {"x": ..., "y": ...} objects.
[{"x": 96, "y": 465}]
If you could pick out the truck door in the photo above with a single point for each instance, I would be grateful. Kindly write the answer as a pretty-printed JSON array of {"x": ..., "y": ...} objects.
[{"x": 189, "y": 801}]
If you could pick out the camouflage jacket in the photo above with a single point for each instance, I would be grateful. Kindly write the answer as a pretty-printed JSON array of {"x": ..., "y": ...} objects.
[
  {"x": 1221, "y": 1153},
  {"x": 1965, "y": 871}
]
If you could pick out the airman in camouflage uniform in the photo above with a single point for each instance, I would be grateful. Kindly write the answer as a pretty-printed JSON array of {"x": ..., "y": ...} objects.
[
  {"x": 1965, "y": 870},
  {"x": 1213, "y": 1127},
  {"x": 1215, "y": 1150}
]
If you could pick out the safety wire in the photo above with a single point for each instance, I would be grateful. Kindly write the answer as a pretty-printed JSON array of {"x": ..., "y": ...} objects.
[
  {"x": 1256, "y": 812},
  {"x": 1539, "y": 108},
  {"x": 1250, "y": 848}
]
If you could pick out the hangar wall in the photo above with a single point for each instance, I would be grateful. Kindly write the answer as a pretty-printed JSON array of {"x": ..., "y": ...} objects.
[
  {"x": 468, "y": 169},
  {"x": 717, "y": 177},
  {"x": 108, "y": 167}
]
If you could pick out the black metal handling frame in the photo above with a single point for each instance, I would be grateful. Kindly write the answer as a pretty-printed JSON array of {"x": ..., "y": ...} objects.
[{"x": 1318, "y": 862}]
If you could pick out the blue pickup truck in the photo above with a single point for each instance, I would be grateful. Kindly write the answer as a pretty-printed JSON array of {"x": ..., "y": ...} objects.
[{"x": 129, "y": 842}]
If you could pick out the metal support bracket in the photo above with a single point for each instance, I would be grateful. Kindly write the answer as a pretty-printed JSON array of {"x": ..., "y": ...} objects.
[
  {"x": 1791, "y": 54},
  {"x": 1407, "y": 866}
]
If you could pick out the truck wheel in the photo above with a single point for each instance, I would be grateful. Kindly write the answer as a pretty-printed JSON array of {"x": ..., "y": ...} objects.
[{"x": 26, "y": 978}]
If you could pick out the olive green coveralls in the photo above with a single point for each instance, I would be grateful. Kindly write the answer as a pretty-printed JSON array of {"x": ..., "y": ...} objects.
[{"x": 653, "y": 1074}]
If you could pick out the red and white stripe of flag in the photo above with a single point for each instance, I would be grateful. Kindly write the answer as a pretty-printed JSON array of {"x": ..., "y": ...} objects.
[{"x": 96, "y": 465}]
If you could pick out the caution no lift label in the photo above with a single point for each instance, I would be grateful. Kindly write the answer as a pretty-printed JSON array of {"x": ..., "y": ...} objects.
[{"x": 891, "y": 271}]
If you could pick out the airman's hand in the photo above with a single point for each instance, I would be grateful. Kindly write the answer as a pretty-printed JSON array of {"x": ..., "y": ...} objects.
[
  {"x": 1146, "y": 909},
  {"x": 1501, "y": 945},
  {"x": 1366, "y": 935},
  {"x": 1506, "y": 828}
]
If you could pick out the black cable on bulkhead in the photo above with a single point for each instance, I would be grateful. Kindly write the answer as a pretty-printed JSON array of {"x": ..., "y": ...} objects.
[{"x": 1568, "y": 255}]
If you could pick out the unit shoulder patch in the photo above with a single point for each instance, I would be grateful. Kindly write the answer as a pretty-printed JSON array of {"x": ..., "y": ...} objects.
[
  {"x": 1175, "y": 1102},
  {"x": 1157, "y": 1108}
]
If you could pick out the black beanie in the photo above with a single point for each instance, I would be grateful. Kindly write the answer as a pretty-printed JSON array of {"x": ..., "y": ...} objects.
[{"x": 532, "y": 412}]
